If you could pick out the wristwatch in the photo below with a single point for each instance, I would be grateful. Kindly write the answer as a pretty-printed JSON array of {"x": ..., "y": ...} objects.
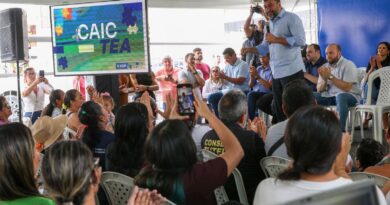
[
  {"x": 331, "y": 77},
  {"x": 195, "y": 72}
]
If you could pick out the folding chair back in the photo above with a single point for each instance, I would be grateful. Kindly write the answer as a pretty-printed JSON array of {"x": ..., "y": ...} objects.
[
  {"x": 118, "y": 187},
  {"x": 220, "y": 192},
  {"x": 272, "y": 166},
  {"x": 380, "y": 181}
]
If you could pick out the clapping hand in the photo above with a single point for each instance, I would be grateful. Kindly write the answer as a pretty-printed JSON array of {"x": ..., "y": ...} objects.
[
  {"x": 145, "y": 197},
  {"x": 259, "y": 126},
  {"x": 324, "y": 72}
]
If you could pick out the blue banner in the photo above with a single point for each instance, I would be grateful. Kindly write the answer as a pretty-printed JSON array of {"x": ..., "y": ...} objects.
[{"x": 357, "y": 25}]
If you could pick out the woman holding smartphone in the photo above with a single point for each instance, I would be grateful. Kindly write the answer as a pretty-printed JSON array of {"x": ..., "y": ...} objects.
[
  {"x": 171, "y": 165},
  {"x": 34, "y": 92}
]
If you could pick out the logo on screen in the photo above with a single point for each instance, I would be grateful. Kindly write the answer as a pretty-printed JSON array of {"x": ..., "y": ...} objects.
[{"x": 122, "y": 66}]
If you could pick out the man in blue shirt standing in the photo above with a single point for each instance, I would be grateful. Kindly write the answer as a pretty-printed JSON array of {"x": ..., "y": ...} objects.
[
  {"x": 314, "y": 61},
  {"x": 236, "y": 74},
  {"x": 260, "y": 82},
  {"x": 284, "y": 37}
]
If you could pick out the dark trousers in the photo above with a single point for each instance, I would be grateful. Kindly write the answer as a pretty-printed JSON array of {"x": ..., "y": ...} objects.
[
  {"x": 264, "y": 103},
  {"x": 278, "y": 86},
  {"x": 252, "y": 97}
]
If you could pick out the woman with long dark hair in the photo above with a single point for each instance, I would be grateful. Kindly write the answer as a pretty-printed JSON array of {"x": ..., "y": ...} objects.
[
  {"x": 19, "y": 161},
  {"x": 72, "y": 103},
  {"x": 125, "y": 154},
  {"x": 95, "y": 118},
  {"x": 54, "y": 108},
  {"x": 380, "y": 60},
  {"x": 171, "y": 163},
  {"x": 319, "y": 151}
]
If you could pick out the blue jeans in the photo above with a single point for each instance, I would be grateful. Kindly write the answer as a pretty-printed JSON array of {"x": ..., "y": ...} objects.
[
  {"x": 342, "y": 101},
  {"x": 252, "y": 99},
  {"x": 374, "y": 94},
  {"x": 213, "y": 100},
  {"x": 33, "y": 115}
]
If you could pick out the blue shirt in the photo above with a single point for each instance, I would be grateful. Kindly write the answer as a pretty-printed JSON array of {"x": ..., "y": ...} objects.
[
  {"x": 344, "y": 70},
  {"x": 239, "y": 69},
  {"x": 265, "y": 74},
  {"x": 313, "y": 70},
  {"x": 285, "y": 60}
]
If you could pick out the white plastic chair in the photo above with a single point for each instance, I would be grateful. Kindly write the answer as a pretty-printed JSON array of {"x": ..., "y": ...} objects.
[
  {"x": 382, "y": 104},
  {"x": 118, "y": 188},
  {"x": 380, "y": 181},
  {"x": 272, "y": 166},
  {"x": 220, "y": 192}
]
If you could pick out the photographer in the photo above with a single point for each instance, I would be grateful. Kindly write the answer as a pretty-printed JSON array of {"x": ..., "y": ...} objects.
[{"x": 255, "y": 35}]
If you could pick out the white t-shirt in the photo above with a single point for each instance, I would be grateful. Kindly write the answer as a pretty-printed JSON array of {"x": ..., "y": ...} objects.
[
  {"x": 189, "y": 77},
  {"x": 35, "y": 101},
  {"x": 271, "y": 192}
]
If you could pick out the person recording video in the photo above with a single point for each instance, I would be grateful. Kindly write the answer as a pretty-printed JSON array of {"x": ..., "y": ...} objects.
[{"x": 255, "y": 35}]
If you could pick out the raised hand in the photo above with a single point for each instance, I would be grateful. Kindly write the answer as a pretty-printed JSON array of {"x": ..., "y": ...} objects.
[{"x": 201, "y": 107}]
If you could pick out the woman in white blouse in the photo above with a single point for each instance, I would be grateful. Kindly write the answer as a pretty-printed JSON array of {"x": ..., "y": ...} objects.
[
  {"x": 213, "y": 84},
  {"x": 319, "y": 151},
  {"x": 33, "y": 94}
]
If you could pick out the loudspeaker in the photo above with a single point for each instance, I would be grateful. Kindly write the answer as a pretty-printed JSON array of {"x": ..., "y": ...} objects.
[{"x": 13, "y": 35}]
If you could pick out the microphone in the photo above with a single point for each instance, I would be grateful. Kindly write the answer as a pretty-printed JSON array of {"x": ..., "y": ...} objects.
[{"x": 267, "y": 27}]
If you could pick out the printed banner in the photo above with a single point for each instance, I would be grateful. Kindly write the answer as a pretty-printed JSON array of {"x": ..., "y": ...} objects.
[{"x": 100, "y": 38}]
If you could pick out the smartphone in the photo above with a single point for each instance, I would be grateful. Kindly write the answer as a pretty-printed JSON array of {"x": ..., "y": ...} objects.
[
  {"x": 185, "y": 99},
  {"x": 41, "y": 73}
]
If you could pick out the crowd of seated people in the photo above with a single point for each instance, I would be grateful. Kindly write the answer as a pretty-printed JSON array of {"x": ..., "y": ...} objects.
[{"x": 79, "y": 138}]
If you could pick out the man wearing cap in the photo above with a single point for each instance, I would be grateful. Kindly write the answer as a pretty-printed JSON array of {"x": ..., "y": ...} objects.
[
  {"x": 284, "y": 37},
  {"x": 260, "y": 82}
]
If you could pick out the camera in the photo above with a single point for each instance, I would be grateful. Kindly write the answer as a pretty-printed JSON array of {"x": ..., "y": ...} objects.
[{"x": 257, "y": 9}]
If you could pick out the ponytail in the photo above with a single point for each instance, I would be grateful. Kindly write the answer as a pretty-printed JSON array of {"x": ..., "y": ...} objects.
[{"x": 293, "y": 173}]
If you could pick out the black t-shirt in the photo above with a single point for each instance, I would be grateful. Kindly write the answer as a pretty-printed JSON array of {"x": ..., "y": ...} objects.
[{"x": 249, "y": 166}]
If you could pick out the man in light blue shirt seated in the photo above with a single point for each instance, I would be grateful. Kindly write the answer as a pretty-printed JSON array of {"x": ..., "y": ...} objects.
[
  {"x": 284, "y": 37},
  {"x": 235, "y": 74},
  {"x": 260, "y": 82},
  {"x": 338, "y": 83}
]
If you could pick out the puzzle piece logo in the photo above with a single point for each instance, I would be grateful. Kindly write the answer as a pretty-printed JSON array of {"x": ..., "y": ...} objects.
[
  {"x": 127, "y": 16},
  {"x": 67, "y": 13},
  {"x": 59, "y": 30},
  {"x": 63, "y": 62},
  {"x": 132, "y": 29}
]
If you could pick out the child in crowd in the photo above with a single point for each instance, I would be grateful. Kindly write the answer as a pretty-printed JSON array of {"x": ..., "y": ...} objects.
[{"x": 109, "y": 104}]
